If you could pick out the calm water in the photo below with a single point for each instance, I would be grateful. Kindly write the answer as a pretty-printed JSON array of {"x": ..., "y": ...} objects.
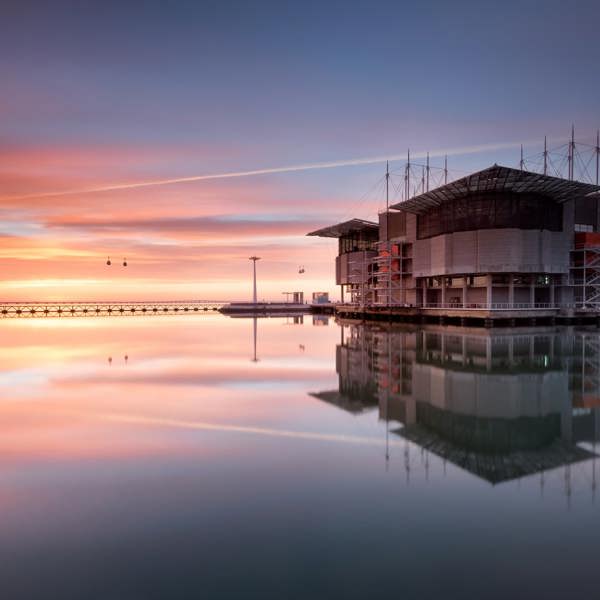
[{"x": 168, "y": 457}]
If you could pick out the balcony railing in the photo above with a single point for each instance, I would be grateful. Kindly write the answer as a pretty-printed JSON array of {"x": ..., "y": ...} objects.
[
  {"x": 475, "y": 306},
  {"x": 494, "y": 305}
]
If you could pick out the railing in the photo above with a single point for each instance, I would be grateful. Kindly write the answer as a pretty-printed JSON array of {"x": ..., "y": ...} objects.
[
  {"x": 472, "y": 306},
  {"x": 495, "y": 305}
]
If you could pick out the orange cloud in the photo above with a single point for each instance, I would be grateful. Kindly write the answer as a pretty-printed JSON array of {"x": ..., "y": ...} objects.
[{"x": 190, "y": 240}]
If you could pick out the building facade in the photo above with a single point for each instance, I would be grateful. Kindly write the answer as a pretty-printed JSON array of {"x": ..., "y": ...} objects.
[{"x": 500, "y": 239}]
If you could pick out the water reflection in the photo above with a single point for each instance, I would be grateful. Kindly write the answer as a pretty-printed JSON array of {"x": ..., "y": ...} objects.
[
  {"x": 500, "y": 404},
  {"x": 185, "y": 465}
]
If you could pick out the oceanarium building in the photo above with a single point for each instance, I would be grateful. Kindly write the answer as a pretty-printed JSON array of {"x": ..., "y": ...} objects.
[{"x": 501, "y": 239}]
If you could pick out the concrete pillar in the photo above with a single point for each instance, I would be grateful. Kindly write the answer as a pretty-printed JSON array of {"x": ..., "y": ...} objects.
[
  {"x": 532, "y": 290},
  {"x": 551, "y": 291},
  {"x": 488, "y": 295},
  {"x": 511, "y": 290},
  {"x": 443, "y": 291},
  {"x": 464, "y": 292}
]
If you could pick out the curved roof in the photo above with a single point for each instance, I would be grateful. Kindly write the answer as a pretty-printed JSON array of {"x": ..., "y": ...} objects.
[
  {"x": 497, "y": 179},
  {"x": 346, "y": 228}
]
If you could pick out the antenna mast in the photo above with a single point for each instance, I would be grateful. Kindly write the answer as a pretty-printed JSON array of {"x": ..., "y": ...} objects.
[
  {"x": 387, "y": 200},
  {"x": 445, "y": 169},
  {"x": 571, "y": 157},
  {"x": 407, "y": 177},
  {"x": 545, "y": 156},
  {"x": 597, "y": 154},
  {"x": 428, "y": 171},
  {"x": 521, "y": 162},
  {"x": 387, "y": 185}
]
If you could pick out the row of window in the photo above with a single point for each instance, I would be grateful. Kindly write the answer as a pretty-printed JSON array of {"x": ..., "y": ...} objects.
[
  {"x": 357, "y": 243},
  {"x": 497, "y": 279}
]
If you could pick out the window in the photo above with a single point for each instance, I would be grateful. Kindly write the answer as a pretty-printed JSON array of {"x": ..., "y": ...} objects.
[{"x": 357, "y": 242}]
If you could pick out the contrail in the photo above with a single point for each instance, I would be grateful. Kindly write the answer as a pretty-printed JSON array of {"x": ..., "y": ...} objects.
[
  {"x": 476, "y": 149},
  {"x": 263, "y": 431}
]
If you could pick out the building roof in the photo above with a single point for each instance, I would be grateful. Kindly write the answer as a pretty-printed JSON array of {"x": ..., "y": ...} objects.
[
  {"x": 345, "y": 402},
  {"x": 497, "y": 467},
  {"x": 346, "y": 228},
  {"x": 497, "y": 179}
]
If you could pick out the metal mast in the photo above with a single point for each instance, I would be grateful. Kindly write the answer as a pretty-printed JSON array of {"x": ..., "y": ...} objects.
[
  {"x": 428, "y": 171},
  {"x": 387, "y": 199},
  {"x": 407, "y": 177},
  {"x": 597, "y": 154},
  {"x": 545, "y": 156},
  {"x": 445, "y": 169},
  {"x": 521, "y": 162},
  {"x": 571, "y": 157}
]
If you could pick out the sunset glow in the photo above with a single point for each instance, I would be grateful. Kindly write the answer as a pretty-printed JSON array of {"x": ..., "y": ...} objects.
[{"x": 110, "y": 147}]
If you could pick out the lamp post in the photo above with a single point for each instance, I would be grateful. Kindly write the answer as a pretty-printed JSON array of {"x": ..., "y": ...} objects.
[{"x": 254, "y": 259}]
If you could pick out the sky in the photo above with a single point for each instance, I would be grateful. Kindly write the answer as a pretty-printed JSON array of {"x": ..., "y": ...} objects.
[{"x": 98, "y": 97}]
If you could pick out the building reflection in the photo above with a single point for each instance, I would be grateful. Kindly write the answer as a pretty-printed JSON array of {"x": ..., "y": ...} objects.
[{"x": 502, "y": 404}]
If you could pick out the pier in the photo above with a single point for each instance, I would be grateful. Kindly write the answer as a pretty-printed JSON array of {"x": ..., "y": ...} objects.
[
  {"x": 105, "y": 308},
  {"x": 481, "y": 315}
]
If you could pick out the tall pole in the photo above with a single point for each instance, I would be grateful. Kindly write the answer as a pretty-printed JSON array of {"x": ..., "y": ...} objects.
[
  {"x": 428, "y": 171},
  {"x": 445, "y": 169},
  {"x": 521, "y": 162},
  {"x": 545, "y": 156},
  {"x": 407, "y": 177},
  {"x": 254, "y": 259},
  {"x": 387, "y": 220},
  {"x": 597, "y": 155},
  {"x": 572, "y": 154},
  {"x": 387, "y": 200}
]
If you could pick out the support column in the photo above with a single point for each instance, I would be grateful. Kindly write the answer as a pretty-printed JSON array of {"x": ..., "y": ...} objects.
[
  {"x": 464, "y": 292},
  {"x": 443, "y": 291},
  {"x": 488, "y": 294},
  {"x": 552, "y": 291},
  {"x": 532, "y": 291},
  {"x": 511, "y": 290}
]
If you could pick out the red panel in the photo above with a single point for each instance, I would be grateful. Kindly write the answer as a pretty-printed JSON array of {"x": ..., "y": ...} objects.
[{"x": 587, "y": 239}]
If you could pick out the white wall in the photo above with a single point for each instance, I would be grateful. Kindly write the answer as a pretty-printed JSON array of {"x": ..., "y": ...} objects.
[{"x": 492, "y": 251}]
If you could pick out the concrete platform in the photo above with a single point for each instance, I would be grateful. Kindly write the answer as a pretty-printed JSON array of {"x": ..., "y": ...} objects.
[{"x": 469, "y": 316}]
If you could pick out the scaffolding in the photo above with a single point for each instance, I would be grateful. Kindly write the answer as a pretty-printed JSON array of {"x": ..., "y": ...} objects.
[
  {"x": 584, "y": 274},
  {"x": 391, "y": 273}
]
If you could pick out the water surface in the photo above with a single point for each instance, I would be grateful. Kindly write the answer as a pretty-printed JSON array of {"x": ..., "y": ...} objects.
[{"x": 208, "y": 457}]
